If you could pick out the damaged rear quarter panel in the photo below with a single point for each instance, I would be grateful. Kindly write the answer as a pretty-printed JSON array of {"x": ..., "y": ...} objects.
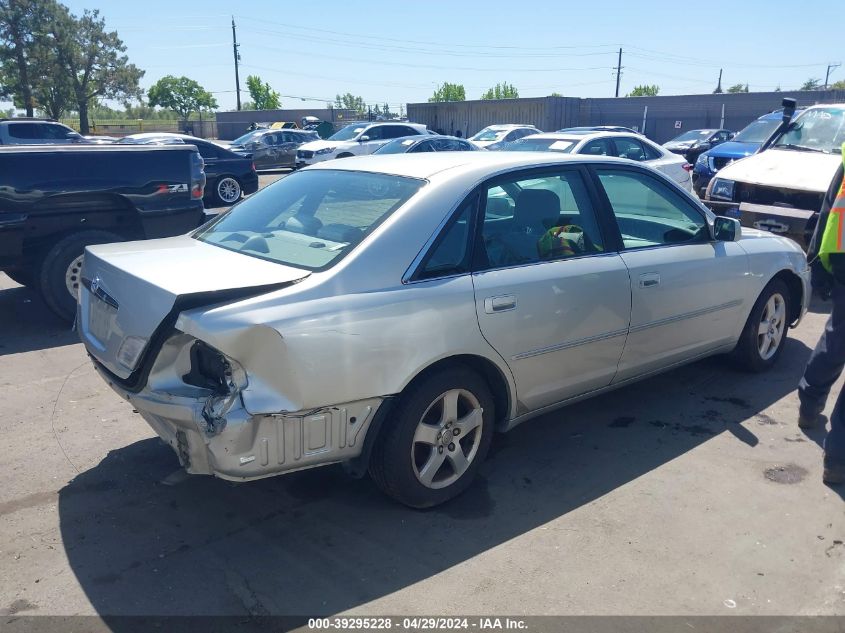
[{"x": 314, "y": 344}]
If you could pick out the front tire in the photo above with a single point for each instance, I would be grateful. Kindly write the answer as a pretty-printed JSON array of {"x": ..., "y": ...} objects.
[
  {"x": 432, "y": 448},
  {"x": 227, "y": 191},
  {"x": 60, "y": 275},
  {"x": 762, "y": 340}
]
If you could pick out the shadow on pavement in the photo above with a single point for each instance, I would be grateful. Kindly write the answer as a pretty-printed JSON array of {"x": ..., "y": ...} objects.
[
  {"x": 316, "y": 542},
  {"x": 27, "y": 324}
]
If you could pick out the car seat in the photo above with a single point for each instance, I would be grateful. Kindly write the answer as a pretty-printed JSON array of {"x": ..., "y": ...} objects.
[
  {"x": 536, "y": 210},
  {"x": 305, "y": 224}
]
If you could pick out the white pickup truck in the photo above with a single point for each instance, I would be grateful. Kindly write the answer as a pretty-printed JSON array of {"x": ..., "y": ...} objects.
[{"x": 781, "y": 188}]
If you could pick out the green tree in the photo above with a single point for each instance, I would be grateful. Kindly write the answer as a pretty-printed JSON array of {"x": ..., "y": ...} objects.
[
  {"x": 448, "y": 92},
  {"x": 644, "y": 91},
  {"x": 263, "y": 96},
  {"x": 93, "y": 60},
  {"x": 501, "y": 91},
  {"x": 839, "y": 85},
  {"x": 180, "y": 94},
  {"x": 555, "y": 94},
  {"x": 738, "y": 88},
  {"x": 811, "y": 84},
  {"x": 351, "y": 102},
  {"x": 24, "y": 50},
  {"x": 386, "y": 113}
]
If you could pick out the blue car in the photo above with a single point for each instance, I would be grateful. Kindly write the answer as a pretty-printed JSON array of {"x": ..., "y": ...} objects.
[{"x": 747, "y": 142}]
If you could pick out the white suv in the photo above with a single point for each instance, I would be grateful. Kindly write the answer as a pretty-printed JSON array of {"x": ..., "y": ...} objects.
[
  {"x": 355, "y": 139},
  {"x": 23, "y": 131}
]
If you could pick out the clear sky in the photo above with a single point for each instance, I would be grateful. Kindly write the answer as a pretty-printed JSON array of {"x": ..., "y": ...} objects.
[{"x": 396, "y": 52}]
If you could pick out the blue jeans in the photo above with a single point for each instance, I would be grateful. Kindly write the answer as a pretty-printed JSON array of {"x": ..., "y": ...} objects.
[{"x": 824, "y": 367}]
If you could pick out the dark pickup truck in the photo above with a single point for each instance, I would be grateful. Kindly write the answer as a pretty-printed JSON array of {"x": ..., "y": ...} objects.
[{"x": 56, "y": 200}]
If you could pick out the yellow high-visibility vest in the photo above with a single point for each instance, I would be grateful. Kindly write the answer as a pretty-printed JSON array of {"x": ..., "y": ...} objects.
[{"x": 833, "y": 238}]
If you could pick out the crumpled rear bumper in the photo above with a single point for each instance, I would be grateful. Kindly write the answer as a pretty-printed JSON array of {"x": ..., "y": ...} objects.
[{"x": 245, "y": 447}]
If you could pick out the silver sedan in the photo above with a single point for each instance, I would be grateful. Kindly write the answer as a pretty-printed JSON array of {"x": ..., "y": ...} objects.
[{"x": 392, "y": 313}]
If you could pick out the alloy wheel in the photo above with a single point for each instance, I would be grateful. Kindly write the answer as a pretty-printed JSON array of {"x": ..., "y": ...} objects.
[
  {"x": 447, "y": 438},
  {"x": 772, "y": 326},
  {"x": 229, "y": 190}
]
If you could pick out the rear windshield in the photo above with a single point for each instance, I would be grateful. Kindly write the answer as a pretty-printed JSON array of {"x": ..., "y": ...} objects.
[{"x": 310, "y": 219}]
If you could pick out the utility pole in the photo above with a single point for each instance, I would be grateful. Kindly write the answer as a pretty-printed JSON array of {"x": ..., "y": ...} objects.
[
  {"x": 827, "y": 74},
  {"x": 237, "y": 59},
  {"x": 618, "y": 72},
  {"x": 718, "y": 89}
]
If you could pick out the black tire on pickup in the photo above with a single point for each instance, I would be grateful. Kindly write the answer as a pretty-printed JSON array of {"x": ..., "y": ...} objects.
[{"x": 60, "y": 270}]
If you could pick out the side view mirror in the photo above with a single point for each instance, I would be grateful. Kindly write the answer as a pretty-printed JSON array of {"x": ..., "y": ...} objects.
[
  {"x": 361, "y": 139},
  {"x": 726, "y": 229}
]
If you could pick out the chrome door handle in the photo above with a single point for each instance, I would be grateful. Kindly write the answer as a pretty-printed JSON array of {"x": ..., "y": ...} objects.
[
  {"x": 647, "y": 280},
  {"x": 502, "y": 303}
]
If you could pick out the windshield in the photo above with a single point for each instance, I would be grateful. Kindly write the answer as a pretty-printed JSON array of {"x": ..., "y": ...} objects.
[
  {"x": 399, "y": 146},
  {"x": 348, "y": 133},
  {"x": 489, "y": 135},
  {"x": 819, "y": 129},
  {"x": 310, "y": 219},
  {"x": 540, "y": 145},
  {"x": 692, "y": 135},
  {"x": 248, "y": 138},
  {"x": 757, "y": 132}
]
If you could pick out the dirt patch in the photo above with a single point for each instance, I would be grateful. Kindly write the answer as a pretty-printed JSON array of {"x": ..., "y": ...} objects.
[
  {"x": 20, "y": 605},
  {"x": 765, "y": 420},
  {"x": 786, "y": 474}
]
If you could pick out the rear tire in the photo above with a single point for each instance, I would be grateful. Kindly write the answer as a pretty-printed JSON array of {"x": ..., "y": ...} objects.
[
  {"x": 227, "y": 191},
  {"x": 431, "y": 448},
  {"x": 764, "y": 335},
  {"x": 60, "y": 273}
]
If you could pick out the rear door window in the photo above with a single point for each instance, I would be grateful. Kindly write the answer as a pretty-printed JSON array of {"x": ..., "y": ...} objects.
[
  {"x": 25, "y": 131},
  {"x": 597, "y": 147},
  {"x": 629, "y": 148}
]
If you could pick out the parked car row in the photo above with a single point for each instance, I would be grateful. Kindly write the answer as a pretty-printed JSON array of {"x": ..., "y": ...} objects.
[{"x": 229, "y": 175}]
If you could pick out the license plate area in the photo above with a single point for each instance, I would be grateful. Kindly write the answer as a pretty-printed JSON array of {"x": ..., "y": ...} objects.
[{"x": 100, "y": 318}]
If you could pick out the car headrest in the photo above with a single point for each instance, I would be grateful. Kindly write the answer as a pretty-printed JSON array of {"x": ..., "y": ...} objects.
[
  {"x": 536, "y": 208},
  {"x": 307, "y": 224}
]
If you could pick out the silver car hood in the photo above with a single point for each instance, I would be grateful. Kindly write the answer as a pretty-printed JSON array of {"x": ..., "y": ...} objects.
[{"x": 137, "y": 289}]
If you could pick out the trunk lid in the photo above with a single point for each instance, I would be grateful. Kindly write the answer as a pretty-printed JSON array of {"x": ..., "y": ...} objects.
[{"x": 130, "y": 289}]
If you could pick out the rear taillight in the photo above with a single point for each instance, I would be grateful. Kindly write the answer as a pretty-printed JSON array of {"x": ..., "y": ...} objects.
[
  {"x": 687, "y": 166},
  {"x": 197, "y": 175}
]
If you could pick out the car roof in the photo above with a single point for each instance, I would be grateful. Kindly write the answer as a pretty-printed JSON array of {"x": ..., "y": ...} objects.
[
  {"x": 509, "y": 126},
  {"x": 427, "y": 164},
  {"x": 577, "y": 137}
]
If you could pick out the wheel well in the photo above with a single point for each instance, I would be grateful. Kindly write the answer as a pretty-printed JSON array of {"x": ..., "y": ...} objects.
[
  {"x": 796, "y": 292},
  {"x": 345, "y": 155},
  {"x": 485, "y": 368}
]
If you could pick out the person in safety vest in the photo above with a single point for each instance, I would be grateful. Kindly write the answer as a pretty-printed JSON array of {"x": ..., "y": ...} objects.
[{"x": 826, "y": 255}]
